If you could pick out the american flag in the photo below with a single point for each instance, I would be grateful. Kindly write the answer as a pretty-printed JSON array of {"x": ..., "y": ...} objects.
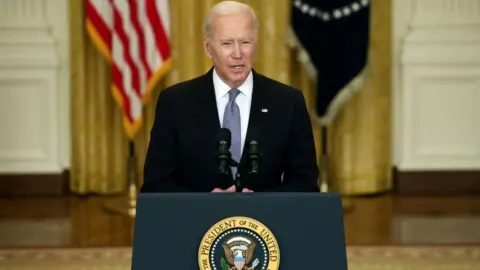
[{"x": 133, "y": 36}]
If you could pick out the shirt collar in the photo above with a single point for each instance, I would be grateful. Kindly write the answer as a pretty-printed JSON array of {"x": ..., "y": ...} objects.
[{"x": 221, "y": 88}]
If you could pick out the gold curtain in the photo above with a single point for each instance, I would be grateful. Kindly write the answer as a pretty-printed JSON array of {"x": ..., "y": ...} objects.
[
  {"x": 359, "y": 140},
  {"x": 360, "y": 145}
]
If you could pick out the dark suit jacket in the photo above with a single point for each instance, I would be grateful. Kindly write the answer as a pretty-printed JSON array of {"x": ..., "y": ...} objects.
[{"x": 181, "y": 153}]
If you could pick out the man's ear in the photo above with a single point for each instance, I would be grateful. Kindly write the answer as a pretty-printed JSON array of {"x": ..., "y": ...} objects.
[{"x": 206, "y": 46}]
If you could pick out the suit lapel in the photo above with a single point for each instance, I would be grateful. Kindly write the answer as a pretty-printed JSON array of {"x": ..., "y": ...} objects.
[
  {"x": 258, "y": 115},
  {"x": 207, "y": 113}
]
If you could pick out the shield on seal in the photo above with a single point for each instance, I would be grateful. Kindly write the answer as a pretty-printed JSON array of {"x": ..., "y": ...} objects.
[{"x": 239, "y": 263}]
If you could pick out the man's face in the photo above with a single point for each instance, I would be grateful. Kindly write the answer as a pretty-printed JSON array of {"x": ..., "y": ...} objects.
[{"x": 232, "y": 47}]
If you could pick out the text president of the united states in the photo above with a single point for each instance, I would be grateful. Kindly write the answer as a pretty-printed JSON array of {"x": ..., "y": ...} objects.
[{"x": 232, "y": 95}]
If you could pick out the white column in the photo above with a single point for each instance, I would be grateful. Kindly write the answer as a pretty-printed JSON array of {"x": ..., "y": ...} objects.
[
  {"x": 31, "y": 57},
  {"x": 436, "y": 84},
  {"x": 22, "y": 14}
]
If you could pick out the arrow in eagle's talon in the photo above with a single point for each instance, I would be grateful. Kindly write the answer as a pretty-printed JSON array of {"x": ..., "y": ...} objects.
[{"x": 254, "y": 264}]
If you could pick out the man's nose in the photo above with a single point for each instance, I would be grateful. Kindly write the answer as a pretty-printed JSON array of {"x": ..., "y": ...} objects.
[{"x": 237, "y": 51}]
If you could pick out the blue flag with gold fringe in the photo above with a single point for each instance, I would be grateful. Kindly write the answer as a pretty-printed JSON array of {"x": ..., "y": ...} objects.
[{"x": 333, "y": 36}]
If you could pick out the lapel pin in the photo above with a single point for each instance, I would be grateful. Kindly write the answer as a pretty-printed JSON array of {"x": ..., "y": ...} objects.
[{"x": 264, "y": 110}]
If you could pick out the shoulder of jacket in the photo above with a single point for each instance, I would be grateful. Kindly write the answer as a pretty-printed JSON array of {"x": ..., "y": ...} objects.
[
  {"x": 279, "y": 87},
  {"x": 181, "y": 88}
]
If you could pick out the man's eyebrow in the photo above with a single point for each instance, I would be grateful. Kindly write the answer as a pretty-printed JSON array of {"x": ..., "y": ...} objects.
[{"x": 232, "y": 39}]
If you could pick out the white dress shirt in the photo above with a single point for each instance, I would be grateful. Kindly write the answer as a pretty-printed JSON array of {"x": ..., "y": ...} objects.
[{"x": 243, "y": 100}]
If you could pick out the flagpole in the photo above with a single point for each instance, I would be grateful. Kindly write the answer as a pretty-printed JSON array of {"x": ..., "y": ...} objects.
[
  {"x": 132, "y": 178},
  {"x": 127, "y": 204},
  {"x": 324, "y": 185}
]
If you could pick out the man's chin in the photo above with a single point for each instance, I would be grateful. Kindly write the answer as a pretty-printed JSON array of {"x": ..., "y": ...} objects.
[
  {"x": 239, "y": 79},
  {"x": 240, "y": 74}
]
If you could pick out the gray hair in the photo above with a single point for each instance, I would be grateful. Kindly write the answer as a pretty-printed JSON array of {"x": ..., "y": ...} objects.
[{"x": 225, "y": 8}]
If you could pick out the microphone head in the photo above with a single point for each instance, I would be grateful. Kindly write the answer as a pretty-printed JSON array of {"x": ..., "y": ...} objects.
[
  {"x": 253, "y": 147},
  {"x": 254, "y": 142},
  {"x": 224, "y": 136}
]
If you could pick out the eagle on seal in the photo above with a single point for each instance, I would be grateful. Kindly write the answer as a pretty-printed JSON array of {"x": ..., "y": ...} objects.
[{"x": 239, "y": 257}]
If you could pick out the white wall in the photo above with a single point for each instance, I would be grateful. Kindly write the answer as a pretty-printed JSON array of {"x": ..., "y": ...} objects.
[
  {"x": 436, "y": 84},
  {"x": 34, "y": 86}
]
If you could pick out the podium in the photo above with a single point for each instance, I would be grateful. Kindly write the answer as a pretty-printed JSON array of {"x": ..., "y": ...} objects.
[{"x": 239, "y": 231}]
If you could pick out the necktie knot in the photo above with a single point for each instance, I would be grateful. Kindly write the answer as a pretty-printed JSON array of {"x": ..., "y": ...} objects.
[{"x": 233, "y": 94}]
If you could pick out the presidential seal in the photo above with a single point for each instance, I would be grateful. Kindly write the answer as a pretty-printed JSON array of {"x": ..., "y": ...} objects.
[{"x": 239, "y": 243}]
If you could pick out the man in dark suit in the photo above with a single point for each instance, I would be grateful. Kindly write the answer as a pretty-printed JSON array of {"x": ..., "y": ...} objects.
[{"x": 189, "y": 115}]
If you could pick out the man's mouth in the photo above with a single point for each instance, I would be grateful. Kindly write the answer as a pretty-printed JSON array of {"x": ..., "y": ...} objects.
[{"x": 237, "y": 66}]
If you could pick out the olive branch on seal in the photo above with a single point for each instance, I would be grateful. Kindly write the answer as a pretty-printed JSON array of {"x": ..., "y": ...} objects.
[{"x": 223, "y": 264}]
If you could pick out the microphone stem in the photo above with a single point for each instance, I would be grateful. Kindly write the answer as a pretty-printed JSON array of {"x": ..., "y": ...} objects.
[{"x": 238, "y": 183}]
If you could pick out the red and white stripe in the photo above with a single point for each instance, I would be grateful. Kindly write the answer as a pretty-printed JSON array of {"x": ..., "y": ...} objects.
[{"x": 134, "y": 36}]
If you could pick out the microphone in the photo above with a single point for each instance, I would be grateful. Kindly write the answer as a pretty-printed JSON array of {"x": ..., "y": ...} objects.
[
  {"x": 223, "y": 155},
  {"x": 254, "y": 156}
]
